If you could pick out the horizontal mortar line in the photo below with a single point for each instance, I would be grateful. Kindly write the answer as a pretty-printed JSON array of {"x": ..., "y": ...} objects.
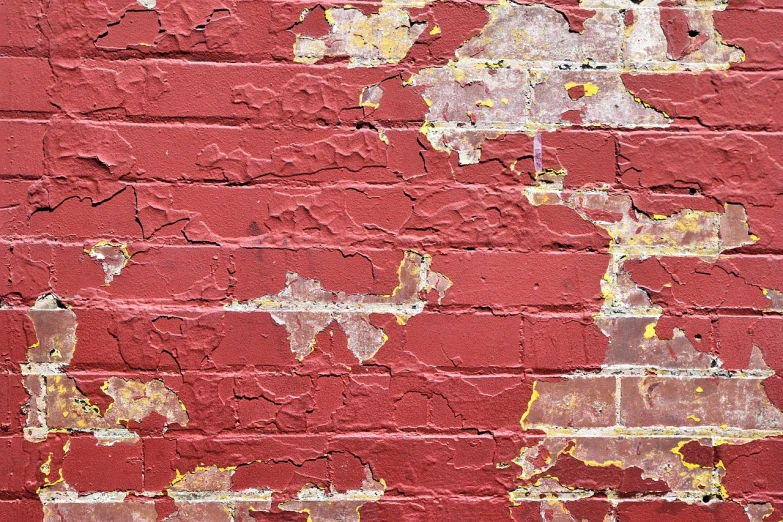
[
  {"x": 112, "y": 497},
  {"x": 516, "y": 127},
  {"x": 413, "y": 125},
  {"x": 302, "y": 187},
  {"x": 81, "y": 304},
  {"x": 576, "y": 310},
  {"x": 537, "y": 65},
  {"x": 380, "y": 372},
  {"x": 518, "y": 185},
  {"x": 637, "y": 372},
  {"x": 354, "y": 249},
  {"x": 527, "y": 373},
  {"x": 532, "y": 434},
  {"x": 682, "y": 124},
  {"x": 659, "y": 432},
  {"x": 364, "y": 243},
  {"x": 231, "y": 496},
  {"x": 262, "y": 59},
  {"x": 239, "y": 59},
  {"x": 387, "y": 497},
  {"x": 235, "y": 436},
  {"x": 566, "y": 66},
  {"x": 513, "y": 185},
  {"x": 567, "y": 494},
  {"x": 156, "y": 243},
  {"x": 412, "y": 4},
  {"x": 289, "y": 305},
  {"x": 263, "y": 241}
]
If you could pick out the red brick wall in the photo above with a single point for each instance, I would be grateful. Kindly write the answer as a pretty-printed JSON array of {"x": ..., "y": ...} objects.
[{"x": 410, "y": 260}]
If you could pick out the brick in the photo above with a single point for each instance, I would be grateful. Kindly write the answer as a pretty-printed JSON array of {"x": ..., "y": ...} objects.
[
  {"x": 26, "y": 509},
  {"x": 665, "y": 511},
  {"x": 23, "y": 34},
  {"x": 22, "y": 155},
  {"x": 755, "y": 31},
  {"x": 181, "y": 89},
  {"x": 737, "y": 335},
  {"x": 690, "y": 282},
  {"x": 436, "y": 340},
  {"x": 26, "y": 81},
  {"x": 500, "y": 280},
  {"x": 662, "y": 401},
  {"x": 88, "y": 218},
  {"x": 12, "y": 397},
  {"x": 90, "y": 466},
  {"x": 578, "y": 402},
  {"x": 742, "y": 462},
  {"x": 721, "y": 165},
  {"x": 719, "y": 100},
  {"x": 562, "y": 344}
]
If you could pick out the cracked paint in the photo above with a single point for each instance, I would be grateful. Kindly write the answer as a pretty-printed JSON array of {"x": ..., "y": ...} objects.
[
  {"x": 620, "y": 324},
  {"x": 526, "y": 54},
  {"x": 325, "y": 506},
  {"x": 652, "y": 396},
  {"x": 305, "y": 308},
  {"x": 56, "y": 403}
]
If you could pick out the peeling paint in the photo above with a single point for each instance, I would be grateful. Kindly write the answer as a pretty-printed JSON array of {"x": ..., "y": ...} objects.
[
  {"x": 56, "y": 402},
  {"x": 207, "y": 493},
  {"x": 113, "y": 257},
  {"x": 368, "y": 41},
  {"x": 323, "y": 506},
  {"x": 652, "y": 396},
  {"x": 526, "y": 54},
  {"x": 305, "y": 308}
]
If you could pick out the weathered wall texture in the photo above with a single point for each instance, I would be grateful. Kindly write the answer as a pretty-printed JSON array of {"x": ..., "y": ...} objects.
[{"x": 403, "y": 260}]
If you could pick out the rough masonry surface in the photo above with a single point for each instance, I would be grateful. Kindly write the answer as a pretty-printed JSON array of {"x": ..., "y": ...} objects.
[{"x": 392, "y": 260}]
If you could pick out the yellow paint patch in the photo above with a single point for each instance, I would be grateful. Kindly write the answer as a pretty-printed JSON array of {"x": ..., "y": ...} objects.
[
  {"x": 485, "y": 103},
  {"x": 694, "y": 418},
  {"x": 649, "y": 331},
  {"x": 533, "y": 397},
  {"x": 677, "y": 450},
  {"x": 590, "y": 88},
  {"x": 435, "y": 30}
]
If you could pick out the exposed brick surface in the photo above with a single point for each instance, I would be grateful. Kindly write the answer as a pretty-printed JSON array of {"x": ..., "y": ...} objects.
[{"x": 409, "y": 260}]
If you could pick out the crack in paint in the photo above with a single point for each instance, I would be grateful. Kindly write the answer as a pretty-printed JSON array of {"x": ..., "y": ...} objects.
[
  {"x": 57, "y": 404},
  {"x": 652, "y": 396}
]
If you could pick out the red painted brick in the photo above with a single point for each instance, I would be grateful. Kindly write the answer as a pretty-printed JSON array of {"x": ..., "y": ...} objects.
[
  {"x": 24, "y": 85},
  {"x": 93, "y": 467},
  {"x": 437, "y": 340},
  {"x": 562, "y": 344},
  {"x": 501, "y": 280}
]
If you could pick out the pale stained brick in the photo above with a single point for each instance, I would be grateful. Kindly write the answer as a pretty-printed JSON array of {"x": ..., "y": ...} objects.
[
  {"x": 574, "y": 402},
  {"x": 56, "y": 403},
  {"x": 305, "y": 308},
  {"x": 531, "y": 51},
  {"x": 723, "y": 402},
  {"x": 367, "y": 41},
  {"x": 328, "y": 506}
]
